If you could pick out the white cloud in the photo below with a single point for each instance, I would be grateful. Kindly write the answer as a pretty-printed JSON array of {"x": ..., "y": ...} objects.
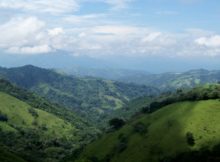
[
  {"x": 48, "y": 6},
  {"x": 212, "y": 41},
  {"x": 25, "y": 35},
  {"x": 30, "y": 49},
  {"x": 151, "y": 36},
  {"x": 18, "y": 31},
  {"x": 31, "y": 35},
  {"x": 55, "y": 32}
]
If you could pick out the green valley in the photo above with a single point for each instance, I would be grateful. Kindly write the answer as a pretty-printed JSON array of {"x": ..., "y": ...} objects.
[{"x": 183, "y": 129}]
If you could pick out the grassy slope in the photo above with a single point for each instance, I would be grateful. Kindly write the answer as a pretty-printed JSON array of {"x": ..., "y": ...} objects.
[
  {"x": 18, "y": 114},
  {"x": 166, "y": 133},
  {"x": 42, "y": 129}
]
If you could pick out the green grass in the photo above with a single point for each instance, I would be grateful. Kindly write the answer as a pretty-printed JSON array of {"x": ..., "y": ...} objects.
[
  {"x": 18, "y": 114},
  {"x": 33, "y": 134},
  {"x": 166, "y": 135}
]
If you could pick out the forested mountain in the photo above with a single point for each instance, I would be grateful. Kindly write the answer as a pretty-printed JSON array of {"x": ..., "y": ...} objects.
[
  {"x": 105, "y": 73},
  {"x": 91, "y": 98},
  {"x": 183, "y": 126},
  {"x": 172, "y": 81},
  {"x": 36, "y": 130},
  {"x": 163, "y": 81}
]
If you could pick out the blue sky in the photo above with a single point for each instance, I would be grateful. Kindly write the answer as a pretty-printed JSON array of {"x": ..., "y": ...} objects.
[{"x": 112, "y": 29}]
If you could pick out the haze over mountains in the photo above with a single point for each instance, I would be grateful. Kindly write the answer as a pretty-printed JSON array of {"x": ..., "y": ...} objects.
[{"x": 151, "y": 64}]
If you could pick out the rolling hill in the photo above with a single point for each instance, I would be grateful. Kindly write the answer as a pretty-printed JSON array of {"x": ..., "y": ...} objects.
[
  {"x": 37, "y": 130},
  {"x": 186, "y": 130},
  {"x": 91, "y": 98}
]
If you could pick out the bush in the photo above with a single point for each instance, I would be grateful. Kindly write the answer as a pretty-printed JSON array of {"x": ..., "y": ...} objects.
[
  {"x": 140, "y": 128},
  {"x": 116, "y": 123},
  {"x": 190, "y": 139},
  {"x": 33, "y": 112},
  {"x": 3, "y": 118}
]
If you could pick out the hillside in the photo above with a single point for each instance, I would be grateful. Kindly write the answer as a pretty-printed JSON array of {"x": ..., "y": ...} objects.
[
  {"x": 7, "y": 156},
  {"x": 170, "y": 81},
  {"x": 91, "y": 98},
  {"x": 180, "y": 131},
  {"x": 37, "y": 130}
]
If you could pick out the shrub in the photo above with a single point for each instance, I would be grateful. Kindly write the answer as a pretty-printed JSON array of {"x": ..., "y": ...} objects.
[
  {"x": 116, "y": 123},
  {"x": 3, "y": 118},
  {"x": 190, "y": 139},
  {"x": 140, "y": 128},
  {"x": 33, "y": 112}
]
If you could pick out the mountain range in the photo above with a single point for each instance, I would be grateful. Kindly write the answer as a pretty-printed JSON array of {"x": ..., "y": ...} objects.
[{"x": 91, "y": 98}]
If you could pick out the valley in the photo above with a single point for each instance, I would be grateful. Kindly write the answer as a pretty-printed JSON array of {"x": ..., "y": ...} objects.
[{"x": 66, "y": 118}]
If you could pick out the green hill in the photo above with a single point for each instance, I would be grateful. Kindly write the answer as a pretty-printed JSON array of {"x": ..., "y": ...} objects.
[
  {"x": 37, "y": 130},
  {"x": 91, "y": 98},
  {"x": 181, "y": 131}
]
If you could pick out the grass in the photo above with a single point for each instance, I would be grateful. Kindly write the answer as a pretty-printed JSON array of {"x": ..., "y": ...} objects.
[
  {"x": 18, "y": 114},
  {"x": 166, "y": 135}
]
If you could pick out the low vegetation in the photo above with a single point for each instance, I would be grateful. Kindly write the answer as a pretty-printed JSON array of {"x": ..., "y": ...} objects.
[{"x": 183, "y": 130}]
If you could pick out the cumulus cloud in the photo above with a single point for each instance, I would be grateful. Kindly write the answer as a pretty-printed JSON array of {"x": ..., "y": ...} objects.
[
  {"x": 18, "y": 31},
  {"x": 212, "y": 41},
  {"x": 25, "y": 35}
]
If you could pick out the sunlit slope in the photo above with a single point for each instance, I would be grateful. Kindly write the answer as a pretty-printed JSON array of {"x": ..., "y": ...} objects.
[
  {"x": 23, "y": 115},
  {"x": 34, "y": 134},
  {"x": 160, "y": 135}
]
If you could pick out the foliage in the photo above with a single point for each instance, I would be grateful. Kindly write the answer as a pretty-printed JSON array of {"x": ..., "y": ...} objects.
[
  {"x": 3, "y": 117},
  {"x": 116, "y": 123},
  {"x": 206, "y": 92},
  {"x": 7, "y": 156},
  {"x": 203, "y": 155},
  {"x": 190, "y": 139},
  {"x": 140, "y": 128}
]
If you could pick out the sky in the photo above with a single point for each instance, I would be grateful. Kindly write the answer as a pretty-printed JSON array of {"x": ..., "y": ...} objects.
[{"x": 158, "y": 33}]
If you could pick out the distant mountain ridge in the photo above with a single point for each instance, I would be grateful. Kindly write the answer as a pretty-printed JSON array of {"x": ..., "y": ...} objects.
[
  {"x": 164, "y": 81},
  {"x": 172, "y": 81}
]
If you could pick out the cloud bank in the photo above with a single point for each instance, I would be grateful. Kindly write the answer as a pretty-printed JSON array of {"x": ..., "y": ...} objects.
[{"x": 32, "y": 31}]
